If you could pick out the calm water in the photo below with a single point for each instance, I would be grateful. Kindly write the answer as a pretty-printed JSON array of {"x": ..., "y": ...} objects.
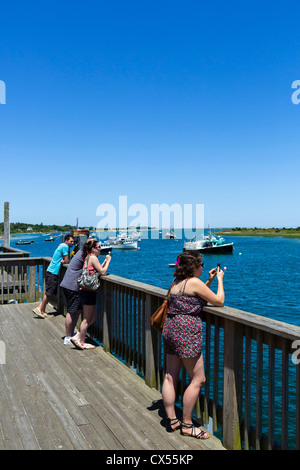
[{"x": 262, "y": 276}]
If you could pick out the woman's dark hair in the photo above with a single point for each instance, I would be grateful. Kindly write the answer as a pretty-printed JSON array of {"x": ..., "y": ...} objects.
[
  {"x": 88, "y": 246},
  {"x": 186, "y": 263}
]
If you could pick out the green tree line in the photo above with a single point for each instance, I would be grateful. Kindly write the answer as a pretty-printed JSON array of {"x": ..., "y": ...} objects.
[
  {"x": 21, "y": 227},
  {"x": 273, "y": 229}
]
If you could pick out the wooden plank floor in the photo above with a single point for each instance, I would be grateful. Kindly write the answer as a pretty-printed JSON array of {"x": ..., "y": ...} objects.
[{"x": 53, "y": 396}]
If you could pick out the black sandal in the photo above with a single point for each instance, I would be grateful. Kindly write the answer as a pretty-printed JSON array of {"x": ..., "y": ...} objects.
[
  {"x": 171, "y": 422},
  {"x": 200, "y": 435}
]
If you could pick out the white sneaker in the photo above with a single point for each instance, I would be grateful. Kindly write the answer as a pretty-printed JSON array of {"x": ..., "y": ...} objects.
[{"x": 67, "y": 340}]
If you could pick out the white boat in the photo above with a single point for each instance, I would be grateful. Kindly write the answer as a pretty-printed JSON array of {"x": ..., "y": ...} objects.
[
  {"x": 50, "y": 239},
  {"x": 170, "y": 234},
  {"x": 125, "y": 243},
  {"x": 209, "y": 244},
  {"x": 135, "y": 236},
  {"x": 24, "y": 242}
]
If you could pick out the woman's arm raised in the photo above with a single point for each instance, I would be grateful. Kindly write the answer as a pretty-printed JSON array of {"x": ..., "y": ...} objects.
[
  {"x": 202, "y": 290},
  {"x": 101, "y": 268}
]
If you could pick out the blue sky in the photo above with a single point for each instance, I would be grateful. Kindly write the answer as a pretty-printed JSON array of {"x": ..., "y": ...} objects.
[{"x": 164, "y": 102}]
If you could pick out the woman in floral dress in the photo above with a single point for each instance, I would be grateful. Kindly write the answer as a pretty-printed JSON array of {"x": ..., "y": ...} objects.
[{"x": 182, "y": 336}]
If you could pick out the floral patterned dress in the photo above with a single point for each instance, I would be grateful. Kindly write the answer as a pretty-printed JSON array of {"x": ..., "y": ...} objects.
[{"x": 182, "y": 332}]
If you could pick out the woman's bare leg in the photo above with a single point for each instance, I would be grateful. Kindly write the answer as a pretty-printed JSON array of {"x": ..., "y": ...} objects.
[
  {"x": 195, "y": 369},
  {"x": 89, "y": 316},
  {"x": 168, "y": 391}
]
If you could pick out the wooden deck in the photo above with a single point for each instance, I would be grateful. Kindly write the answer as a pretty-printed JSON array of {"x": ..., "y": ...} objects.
[{"x": 53, "y": 396}]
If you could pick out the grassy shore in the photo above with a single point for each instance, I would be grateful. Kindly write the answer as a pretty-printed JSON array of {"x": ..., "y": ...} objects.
[{"x": 262, "y": 232}]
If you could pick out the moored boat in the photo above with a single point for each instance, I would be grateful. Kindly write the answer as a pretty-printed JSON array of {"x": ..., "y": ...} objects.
[
  {"x": 135, "y": 236},
  {"x": 105, "y": 248},
  {"x": 24, "y": 242},
  {"x": 170, "y": 234},
  {"x": 125, "y": 243},
  {"x": 209, "y": 244}
]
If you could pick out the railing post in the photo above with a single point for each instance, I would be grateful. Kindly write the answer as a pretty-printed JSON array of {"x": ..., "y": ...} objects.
[
  {"x": 31, "y": 292},
  {"x": 6, "y": 241},
  {"x": 232, "y": 386},
  {"x": 107, "y": 301},
  {"x": 150, "y": 375}
]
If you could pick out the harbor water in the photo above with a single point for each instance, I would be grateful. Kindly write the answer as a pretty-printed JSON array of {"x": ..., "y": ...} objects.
[{"x": 262, "y": 274}]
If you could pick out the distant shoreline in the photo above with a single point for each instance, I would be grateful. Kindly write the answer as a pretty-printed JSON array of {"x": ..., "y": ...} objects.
[
  {"x": 235, "y": 232},
  {"x": 260, "y": 233}
]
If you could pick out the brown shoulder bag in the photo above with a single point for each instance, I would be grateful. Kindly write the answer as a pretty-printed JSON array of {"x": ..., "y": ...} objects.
[{"x": 159, "y": 316}]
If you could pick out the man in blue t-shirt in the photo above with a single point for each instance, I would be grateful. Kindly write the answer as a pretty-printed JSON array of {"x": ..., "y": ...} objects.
[{"x": 61, "y": 256}]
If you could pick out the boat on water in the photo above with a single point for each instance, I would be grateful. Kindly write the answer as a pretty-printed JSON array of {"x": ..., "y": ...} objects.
[
  {"x": 50, "y": 239},
  {"x": 124, "y": 243},
  {"x": 209, "y": 244},
  {"x": 135, "y": 236},
  {"x": 105, "y": 247},
  {"x": 24, "y": 242},
  {"x": 170, "y": 234}
]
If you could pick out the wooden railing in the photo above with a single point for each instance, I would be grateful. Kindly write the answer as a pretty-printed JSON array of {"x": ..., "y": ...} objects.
[
  {"x": 22, "y": 279},
  {"x": 251, "y": 395},
  {"x": 8, "y": 252},
  {"x": 252, "y": 389}
]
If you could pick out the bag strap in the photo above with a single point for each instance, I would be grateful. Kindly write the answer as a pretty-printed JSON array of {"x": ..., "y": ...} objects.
[
  {"x": 167, "y": 295},
  {"x": 86, "y": 260}
]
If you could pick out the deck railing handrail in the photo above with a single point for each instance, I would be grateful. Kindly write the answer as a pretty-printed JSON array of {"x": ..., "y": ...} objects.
[
  {"x": 6, "y": 252},
  {"x": 233, "y": 339},
  {"x": 252, "y": 389}
]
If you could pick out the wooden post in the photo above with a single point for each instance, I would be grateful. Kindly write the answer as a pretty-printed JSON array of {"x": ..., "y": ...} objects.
[
  {"x": 6, "y": 241},
  {"x": 150, "y": 376},
  {"x": 107, "y": 309},
  {"x": 31, "y": 292},
  {"x": 232, "y": 385}
]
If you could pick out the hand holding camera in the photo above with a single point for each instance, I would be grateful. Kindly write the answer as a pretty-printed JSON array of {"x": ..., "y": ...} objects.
[{"x": 219, "y": 272}]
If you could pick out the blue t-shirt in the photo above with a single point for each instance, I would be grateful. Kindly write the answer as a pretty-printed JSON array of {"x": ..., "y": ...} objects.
[{"x": 55, "y": 265}]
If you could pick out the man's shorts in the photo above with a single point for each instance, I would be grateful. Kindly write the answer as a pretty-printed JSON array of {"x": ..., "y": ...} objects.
[
  {"x": 73, "y": 300},
  {"x": 51, "y": 283}
]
